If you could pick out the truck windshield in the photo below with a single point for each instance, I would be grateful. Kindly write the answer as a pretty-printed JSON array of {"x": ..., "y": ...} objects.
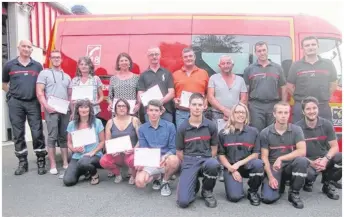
[{"x": 330, "y": 49}]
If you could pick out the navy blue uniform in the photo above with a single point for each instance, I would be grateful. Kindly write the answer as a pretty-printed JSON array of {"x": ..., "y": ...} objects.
[
  {"x": 238, "y": 146},
  {"x": 196, "y": 145},
  {"x": 23, "y": 104}
]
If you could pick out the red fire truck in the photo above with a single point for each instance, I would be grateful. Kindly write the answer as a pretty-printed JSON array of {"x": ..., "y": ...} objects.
[{"x": 103, "y": 37}]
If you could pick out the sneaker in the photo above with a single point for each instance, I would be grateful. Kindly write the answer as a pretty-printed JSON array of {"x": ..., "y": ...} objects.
[
  {"x": 294, "y": 198},
  {"x": 118, "y": 179},
  {"x": 165, "y": 189},
  {"x": 110, "y": 174},
  {"x": 209, "y": 198},
  {"x": 156, "y": 185},
  {"x": 53, "y": 171},
  {"x": 131, "y": 181},
  {"x": 62, "y": 175},
  {"x": 330, "y": 191}
]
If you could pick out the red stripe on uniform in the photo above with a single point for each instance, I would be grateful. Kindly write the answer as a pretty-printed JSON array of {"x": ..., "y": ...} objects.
[
  {"x": 34, "y": 73},
  {"x": 265, "y": 74},
  {"x": 197, "y": 138},
  {"x": 317, "y": 138},
  {"x": 283, "y": 147},
  {"x": 239, "y": 144},
  {"x": 313, "y": 71}
]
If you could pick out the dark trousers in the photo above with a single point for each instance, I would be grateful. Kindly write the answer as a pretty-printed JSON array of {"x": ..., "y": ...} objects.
[
  {"x": 20, "y": 110},
  {"x": 261, "y": 113},
  {"x": 296, "y": 169},
  {"x": 77, "y": 168},
  {"x": 254, "y": 170},
  {"x": 333, "y": 171},
  {"x": 191, "y": 169},
  {"x": 324, "y": 111}
]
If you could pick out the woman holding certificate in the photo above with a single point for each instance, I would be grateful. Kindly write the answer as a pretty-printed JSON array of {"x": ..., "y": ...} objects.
[
  {"x": 86, "y": 141},
  {"x": 87, "y": 85},
  {"x": 124, "y": 84},
  {"x": 121, "y": 133}
]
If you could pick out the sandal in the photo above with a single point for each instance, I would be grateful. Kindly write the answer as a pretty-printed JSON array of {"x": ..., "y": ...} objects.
[{"x": 95, "y": 179}]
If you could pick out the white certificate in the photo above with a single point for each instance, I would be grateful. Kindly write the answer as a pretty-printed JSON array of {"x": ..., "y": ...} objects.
[
  {"x": 132, "y": 104},
  {"x": 184, "y": 99},
  {"x": 152, "y": 93},
  {"x": 83, "y": 92},
  {"x": 117, "y": 145},
  {"x": 148, "y": 157},
  {"x": 60, "y": 105},
  {"x": 220, "y": 124},
  {"x": 83, "y": 137}
]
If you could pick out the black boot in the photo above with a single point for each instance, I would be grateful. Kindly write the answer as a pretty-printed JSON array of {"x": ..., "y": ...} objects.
[
  {"x": 330, "y": 191},
  {"x": 209, "y": 198},
  {"x": 253, "y": 196},
  {"x": 308, "y": 187},
  {"x": 294, "y": 198},
  {"x": 198, "y": 186},
  {"x": 41, "y": 165},
  {"x": 337, "y": 185},
  {"x": 22, "y": 167}
]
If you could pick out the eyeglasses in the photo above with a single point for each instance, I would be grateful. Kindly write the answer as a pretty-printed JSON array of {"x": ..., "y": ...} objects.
[
  {"x": 240, "y": 112},
  {"x": 121, "y": 106},
  {"x": 154, "y": 54},
  {"x": 56, "y": 58}
]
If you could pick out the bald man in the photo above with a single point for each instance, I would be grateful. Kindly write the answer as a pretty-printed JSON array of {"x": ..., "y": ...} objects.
[
  {"x": 19, "y": 78},
  {"x": 156, "y": 75}
]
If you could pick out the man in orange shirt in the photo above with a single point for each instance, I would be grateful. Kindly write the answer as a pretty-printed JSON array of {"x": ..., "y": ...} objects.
[{"x": 190, "y": 79}]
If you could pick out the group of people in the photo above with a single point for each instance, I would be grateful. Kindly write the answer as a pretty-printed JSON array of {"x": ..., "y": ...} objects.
[{"x": 255, "y": 142}]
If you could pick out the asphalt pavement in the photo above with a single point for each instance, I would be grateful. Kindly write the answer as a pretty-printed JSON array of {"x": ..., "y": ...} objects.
[{"x": 34, "y": 195}]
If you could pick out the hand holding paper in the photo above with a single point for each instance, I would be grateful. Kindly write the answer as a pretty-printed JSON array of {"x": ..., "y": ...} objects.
[
  {"x": 60, "y": 105},
  {"x": 152, "y": 93},
  {"x": 83, "y": 137},
  {"x": 148, "y": 157},
  {"x": 83, "y": 92},
  {"x": 184, "y": 99},
  {"x": 117, "y": 145}
]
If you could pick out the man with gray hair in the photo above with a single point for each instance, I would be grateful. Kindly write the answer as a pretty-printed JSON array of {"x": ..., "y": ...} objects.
[{"x": 156, "y": 75}]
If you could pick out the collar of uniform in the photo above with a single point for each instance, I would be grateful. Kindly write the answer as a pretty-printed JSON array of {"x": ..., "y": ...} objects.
[
  {"x": 319, "y": 59},
  {"x": 18, "y": 63},
  {"x": 150, "y": 70},
  {"x": 203, "y": 124},
  {"x": 319, "y": 123},
  {"x": 269, "y": 64},
  {"x": 195, "y": 68},
  {"x": 272, "y": 128},
  {"x": 160, "y": 124}
]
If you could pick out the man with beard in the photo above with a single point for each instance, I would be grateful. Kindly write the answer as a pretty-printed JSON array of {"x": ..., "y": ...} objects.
[
  {"x": 19, "y": 78},
  {"x": 322, "y": 149},
  {"x": 156, "y": 75},
  {"x": 283, "y": 150},
  {"x": 196, "y": 145},
  {"x": 312, "y": 76},
  {"x": 264, "y": 79}
]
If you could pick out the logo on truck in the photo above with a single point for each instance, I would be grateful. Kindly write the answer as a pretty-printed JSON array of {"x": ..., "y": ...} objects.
[{"x": 94, "y": 52}]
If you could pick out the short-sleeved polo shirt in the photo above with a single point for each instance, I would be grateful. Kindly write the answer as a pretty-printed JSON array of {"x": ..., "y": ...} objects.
[
  {"x": 196, "y": 82},
  {"x": 279, "y": 145},
  {"x": 317, "y": 138},
  {"x": 312, "y": 79},
  {"x": 56, "y": 83},
  {"x": 226, "y": 96},
  {"x": 162, "y": 77},
  {"x": 22, "y": 79},
  {"x": 240, "y": 144},
  {"x": 197, "y": 141},
  {"x": 264, "y": 82}
]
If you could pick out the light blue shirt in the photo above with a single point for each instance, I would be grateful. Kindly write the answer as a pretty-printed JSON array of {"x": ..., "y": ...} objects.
[{"x": 98, "y": 127}]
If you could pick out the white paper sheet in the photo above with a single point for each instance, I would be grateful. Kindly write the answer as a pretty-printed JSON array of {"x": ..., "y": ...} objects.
[
  {"x": 83, "y": 92},
  {"x": 184, "y": 99},
  {"x": 83, "y": 137},
  {"x": 132, "y": 104},
  {"x": 220, "y": 124},
  {"x": 152, "y": 93},
  {"x": 148, "y": 157},
  {"x": 117, "y": 145},
  {"x": 60, "y": 105}
]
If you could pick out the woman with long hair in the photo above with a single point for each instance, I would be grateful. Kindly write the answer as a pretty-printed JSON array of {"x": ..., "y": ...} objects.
[
  {"x": 85, "y": 158},
  {"x": 124, "y": 83},
  {"x": 239, "y": 149},
  {"x": 121, "y": 125},
  {"x": 85, "y": 77}
]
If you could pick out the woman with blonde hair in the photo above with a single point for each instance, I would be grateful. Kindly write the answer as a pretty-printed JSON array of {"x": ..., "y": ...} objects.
[{"x": 239, "y": 148}]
